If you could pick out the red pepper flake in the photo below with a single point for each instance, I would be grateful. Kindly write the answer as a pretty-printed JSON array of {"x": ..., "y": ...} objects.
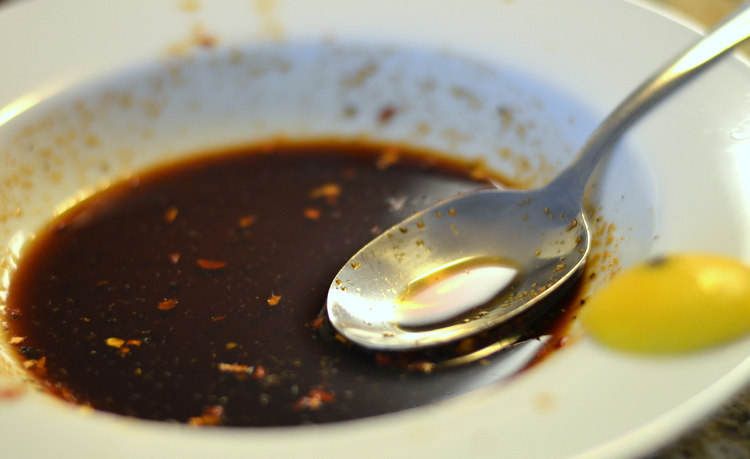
[
  {"x": 210, "y": 264},
  {"x": 115, "y": 342},
  {"x": 41, "y": 367},
  {"x": 207, "y": 41},
  {"x": 273, "y": 300},
  {"x": 217, "y": 318},
  {"x": 318, "y": 322},
  {"x": 259, "y": 372},
  {"x": 211, "y": 416},
  {"x": 133, "y": 342},
  {"x": 11, "y": 392},
  {"x": 171, "y": 214},
  {"x": 314, "y": 400},
  {"x": 246, "y": 220},
  {"x": 67, "y": 395},
  {"x": 386, "y": 114},
  {"x": 38, "y": 366},
  {"x": 387, "y": 158},
  {"x": 329, "y": 191},
  {"x": 325, "y": 397},
  {"x": 235, "y": 368},
  {"x": 311, "y": 213},
  {"x": 17, "y": 339},
  {"x": 174, "y": 257},
  {"x": 166, "y": 305}
]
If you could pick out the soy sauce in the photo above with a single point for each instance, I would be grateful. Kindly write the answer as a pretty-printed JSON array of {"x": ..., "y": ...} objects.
[{"x": 191, "y": 293}]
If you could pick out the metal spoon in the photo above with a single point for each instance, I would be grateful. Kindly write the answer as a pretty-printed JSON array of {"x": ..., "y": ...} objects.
[{"x": 474, "y": 261}]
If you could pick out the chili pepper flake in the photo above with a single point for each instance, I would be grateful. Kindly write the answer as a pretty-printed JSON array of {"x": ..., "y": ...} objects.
[
  {"x": 386, "y": 114},
  {"x": 311, "y": 213},
  {"x": 314, "y": 400},
  {"x": 387, "y": 158},
  {"x": 17, "y": 339},
  {"x": 236, "y": 368},
  {"x": 273, "y": 300},
  {"x": 329, "y": 191},
  {"x": 166, "y": 305},
  {"x": 38, "y": 366},
  {"x": 246, "y": 220},
  {"x": 115, "y": 342},
  {"x": 174, "y": 257},
  {"x": 171, "y": 214},
  {"x": 259, "y": 372},
  {"x": 318, "y": 322},
  {"x": 211, "y": 416},
  {"x": 67, "y": 395},
  {"x": 11, "y": 392},
  {"x": 210, "y": 264}
]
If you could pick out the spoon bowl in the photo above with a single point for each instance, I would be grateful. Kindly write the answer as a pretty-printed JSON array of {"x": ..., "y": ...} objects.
[
  {"x": 457, "y": 246},
  {"x": 480, "y": 259}
]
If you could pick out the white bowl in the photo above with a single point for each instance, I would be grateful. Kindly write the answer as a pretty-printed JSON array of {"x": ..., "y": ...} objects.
[{"x": 100, "y": 90}]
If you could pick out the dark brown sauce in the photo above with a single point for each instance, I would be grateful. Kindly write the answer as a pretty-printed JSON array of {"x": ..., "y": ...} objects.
[{"x": 191, "y": 293}]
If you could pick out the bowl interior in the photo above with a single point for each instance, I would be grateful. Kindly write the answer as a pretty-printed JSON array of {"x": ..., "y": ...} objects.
[{"x": 68, "y": 145}]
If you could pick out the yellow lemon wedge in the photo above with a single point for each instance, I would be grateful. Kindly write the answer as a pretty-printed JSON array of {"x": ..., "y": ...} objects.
[{"x": 676, "y": 303}]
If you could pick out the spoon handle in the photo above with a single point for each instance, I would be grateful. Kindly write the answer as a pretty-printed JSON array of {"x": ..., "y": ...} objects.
[{"x": 735, "y": 29}]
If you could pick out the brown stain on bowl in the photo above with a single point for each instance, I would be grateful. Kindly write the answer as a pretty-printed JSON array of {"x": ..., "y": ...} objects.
[{"x": 271, "y": 24}]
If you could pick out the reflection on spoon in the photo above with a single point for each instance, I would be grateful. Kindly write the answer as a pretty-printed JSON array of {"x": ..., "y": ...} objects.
[{"x": 451, "y": 290}]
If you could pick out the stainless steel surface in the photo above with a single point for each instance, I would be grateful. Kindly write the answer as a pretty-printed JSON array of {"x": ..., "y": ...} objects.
[{"x": 542, "y": 233}]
